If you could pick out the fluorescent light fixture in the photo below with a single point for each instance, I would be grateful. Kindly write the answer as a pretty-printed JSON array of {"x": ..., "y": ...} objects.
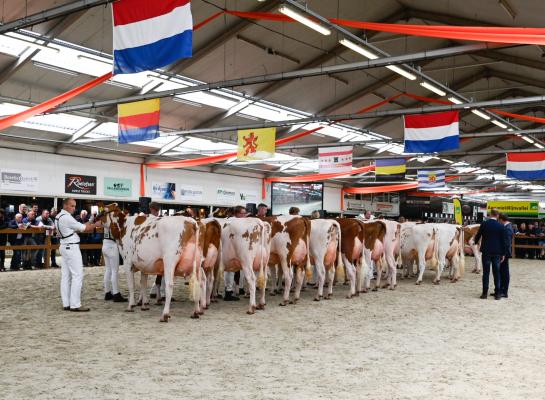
[
  {"x": 32, "y": 44},
  {"x": 539, "y": 146},
  {"x": 448, "y": 161},
  {"x": 498, "y": 123},
  {"x": 510, "y": 130},
  {"x": 184, "y": 101},
  {"x": 480, "y": 114},
  {"x": 121, "y": 85},
  {"x": 304, "y": 20},
  {"x": 56, "y": 69},
  {"x": 455, "y": 100},
  {"x": 358, "y": 49},
  {"x": 432, "y": 88},
  {"x": 85, "y": 57},
  {"x": 528, "y": 139},
  {"x": 401, "y": 72}
]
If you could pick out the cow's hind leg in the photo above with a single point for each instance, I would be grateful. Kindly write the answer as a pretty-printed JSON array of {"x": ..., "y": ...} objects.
[
  {"x": 130, "y": 284},
  {"x": 288, "y": 277},
  {"x": 251, "y": 280},
  {"x": 299, "y": 275},
  {"x": 203, "y": 284},
  {"x": 351, "y": 274},
  {"x": 320, "y": 269},
  {"x": 168, "y": 278}
]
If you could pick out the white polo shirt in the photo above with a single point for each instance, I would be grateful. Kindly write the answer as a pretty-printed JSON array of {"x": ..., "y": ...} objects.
[{"x": 67, "y": 227}]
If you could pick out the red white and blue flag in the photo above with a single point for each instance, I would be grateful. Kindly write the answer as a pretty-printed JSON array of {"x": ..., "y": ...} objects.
[
  {"x": 150, "y": 34},
  {"x": 526, "y": 166},
  {"x": 432, "y": 133}
]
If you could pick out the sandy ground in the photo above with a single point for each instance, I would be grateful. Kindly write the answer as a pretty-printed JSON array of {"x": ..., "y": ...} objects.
[{"x": 417, "y": 342}]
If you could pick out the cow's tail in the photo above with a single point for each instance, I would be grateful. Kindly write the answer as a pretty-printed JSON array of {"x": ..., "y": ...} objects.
[
  {"x": 308, "y": 267},
  {"x": 462, "y": 263},
  {"x": 194, "y": 281},
  {"x": 261, "y": 277},
  {"x": 435, "y": 256},
  {"x": 340, "y": 266}
]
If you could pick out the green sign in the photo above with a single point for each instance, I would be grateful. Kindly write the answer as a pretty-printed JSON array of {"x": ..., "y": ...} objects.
[{"x": 117, "y": 187}]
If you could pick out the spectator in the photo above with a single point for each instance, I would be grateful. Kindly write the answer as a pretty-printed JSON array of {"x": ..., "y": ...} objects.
[
  {"x": 541, "y": 241},
  {"x": 401, "y": 220},
  {"x": 23, "y": 209},
  {"x": 16, "y": 239},
  {"x": 533, "y": 232},
  {"x": 262, "y": 210},
  {"x": 35, "y": 208},
  {"x": 504, "y": 265},
  {"x": 315, "y": 214},
  {"x": 54, "y": 239},
  {"x": 515, "y": 228},
  {"x": 3, "y": 239},
  {"x": 154, "y": 209},
  {"x": 29, "y": 256},
  {"x": 189, "y": 212},
  {"x": 83, "y": 219},
  {"x": 44, "y": 221},
  {"x": 240, "y": 212},
  {"x": 522, "y": 231},
  {"x": 294, "y": 211}
]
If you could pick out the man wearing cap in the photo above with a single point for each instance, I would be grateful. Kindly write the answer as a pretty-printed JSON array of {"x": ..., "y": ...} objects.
[{"x": 72, "y": 262}]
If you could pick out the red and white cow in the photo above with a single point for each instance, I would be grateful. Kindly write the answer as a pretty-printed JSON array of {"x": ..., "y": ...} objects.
[
  {"x": 388, "y": 249},
  {"x": 353, "y": 239},
  {"x": 325, "y": 248},
  {"x": 469, "y": 241},
  {"x": 290, "y": 239},
  {"x": 165, "y": 246},
  {"x": 450, "y": 249},
  {"x": 418, "y": 244},
  {"x": 211, "y": 256},
  {"x": 374, "y": 233},
  {"x": 245, "y": 246}
]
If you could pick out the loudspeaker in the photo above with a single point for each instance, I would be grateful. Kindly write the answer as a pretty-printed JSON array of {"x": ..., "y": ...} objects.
[
  {"x": 143, "y": 204},
  {"x": 251, "y": 208},
  {"x": 323, "y": 214}
]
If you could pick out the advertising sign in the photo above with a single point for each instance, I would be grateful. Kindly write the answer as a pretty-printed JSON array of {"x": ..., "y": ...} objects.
[
  {"x": 117, "y": 187},
  {"x": 226, "y": 195},
  {"x": 458, "y": 211},
  {"x": 248, "y": 196},
  {"x": 80, "y": 184},
  {"x": 515, "y": 208},
  {"x": 163, "y": 190},
  {"x": 191, "y": 193},
  {"x": 21, "y": 180}
]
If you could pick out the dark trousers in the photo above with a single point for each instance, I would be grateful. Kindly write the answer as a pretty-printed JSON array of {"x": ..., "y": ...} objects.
[
  {"x": 489, "y": 260},
  {"x": 504, "y": 276},
  {"x": 3, "y": 241}
]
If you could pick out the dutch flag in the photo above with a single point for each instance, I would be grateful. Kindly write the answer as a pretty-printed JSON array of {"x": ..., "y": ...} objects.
[
  {"x": 150, "y": 34},
  {"x": 432, "y": 133},
  {"x": 526, "y": 166}
]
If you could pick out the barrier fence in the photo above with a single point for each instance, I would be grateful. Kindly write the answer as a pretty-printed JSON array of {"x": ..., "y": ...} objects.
[{"x": 48, "y": 246}]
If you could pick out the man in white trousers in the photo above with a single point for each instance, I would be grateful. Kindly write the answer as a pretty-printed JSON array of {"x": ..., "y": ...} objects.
[
  {"x": 72, "y": 263},
  {"x": 110, "y": 252}
]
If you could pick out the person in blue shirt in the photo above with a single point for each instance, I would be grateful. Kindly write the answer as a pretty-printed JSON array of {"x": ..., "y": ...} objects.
[
  {"x": 494, "y": 250},
  {"x": 504, "y": 266}
]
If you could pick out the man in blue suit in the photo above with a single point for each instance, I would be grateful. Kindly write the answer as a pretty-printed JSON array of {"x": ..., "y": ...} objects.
[
  {"x": 493, "y": 249},
  {"x": 504, "y": 266}
]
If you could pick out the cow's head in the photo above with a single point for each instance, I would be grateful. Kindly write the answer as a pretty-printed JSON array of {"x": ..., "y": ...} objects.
[{"x": 113, "y": 219}]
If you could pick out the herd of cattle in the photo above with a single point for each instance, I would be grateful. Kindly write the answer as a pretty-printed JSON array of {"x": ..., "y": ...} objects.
[{"x": 272, "y": 248}]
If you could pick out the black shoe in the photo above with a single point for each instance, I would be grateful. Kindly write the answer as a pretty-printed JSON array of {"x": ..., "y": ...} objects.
[
  {"x": 483, "y": 296},
  {"x": 241, "y": 292},
  {"x": 80, "y": 309},
  {"x": 66, "y": 308},
  {"x": 497, "y": 297},
  {"x": 108, "y": 296},
  {"x": 153, "y": 295},
  {"x": 230, "y": 297},
  {"x": 504, "y": 295},
  {"x": 493, "y": 294},
  {"x": 117, "y": 298},
  {"x": 54, "y": 266}
]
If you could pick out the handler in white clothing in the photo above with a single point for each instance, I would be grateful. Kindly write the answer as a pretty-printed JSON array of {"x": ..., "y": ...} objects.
[
  {"x": 72, "y": 263},
  {"x": 110, "y": 251}
]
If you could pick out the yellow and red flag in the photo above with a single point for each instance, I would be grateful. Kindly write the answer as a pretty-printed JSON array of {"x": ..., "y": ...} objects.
[{"x": 256, "y": 144}]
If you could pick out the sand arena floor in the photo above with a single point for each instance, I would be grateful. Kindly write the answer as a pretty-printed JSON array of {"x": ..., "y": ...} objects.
[{"x": 417, "y": 342}]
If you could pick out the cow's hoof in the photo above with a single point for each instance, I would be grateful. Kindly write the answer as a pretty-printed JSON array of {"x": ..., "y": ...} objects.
[
  {"x": 418, "y": 282},
  {"x": 145, "y": 307},
  {"x": 129, "y": 309},
  {"x": 206, "y": 306},
  {"x": 294, "y": 301},
  {"x": 283, "y": 304},
  {"x": 364, "y": 291},
  {"x": 260, "y": 306},
  {"x": 317, "y": 298},
  {"x": 213, "y": 301},
  {"x": 375, "y": 289},
  {"x": 158, "y": 303},
  {"x": 436, "y": 282},
  {"x": 139, "y": 303},
  {"x": 348, "y": 296},
  {"x": 328, "y": 297},
  {"x": 357, "y": 294},
  {"x": 164, "y": 318},
  {"x": 273, "y": 293},
  {"x": 385, "y": 286},
  {"x": 251, "y": 311}
]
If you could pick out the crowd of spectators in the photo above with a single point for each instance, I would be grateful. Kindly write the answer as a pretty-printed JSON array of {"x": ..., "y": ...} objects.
[{"x": 27, "y": 217}]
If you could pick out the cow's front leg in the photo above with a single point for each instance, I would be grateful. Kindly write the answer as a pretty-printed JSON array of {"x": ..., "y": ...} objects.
[
  {"x": 144, "y": 306},
  {"x": 300, "y": 274},
  {"x": 203, "y": 283},
  {"x": 130, "y": 284}
]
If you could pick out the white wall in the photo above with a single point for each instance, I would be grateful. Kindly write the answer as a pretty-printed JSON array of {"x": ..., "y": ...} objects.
[{"x": 51, "y": 169}]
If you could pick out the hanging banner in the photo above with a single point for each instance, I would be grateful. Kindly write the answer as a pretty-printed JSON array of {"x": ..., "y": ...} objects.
[
  {"x": 335, "y": 159},
  {"x": 256, "y": 144},
  {"x": 163, "y": 190},
  {"x": 191, "y": 193},
  {"x": 19, "y": 180},
  {"x": 80, "y": 184},
  {"x": 515, "y": 208},
  {"x": 117, "y": 187},
  {"x": 226, "y": 196},
  {"x": 458, "y": 211}
]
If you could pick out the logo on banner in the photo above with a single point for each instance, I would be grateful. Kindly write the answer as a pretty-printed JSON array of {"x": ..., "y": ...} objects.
[
  {"x": 165, "y": 190},
  {"x": 25, "y": 181},
  {"x": 80, "y": 184},
  {"x": 224, "y": 195},
  {"x": 191, "y": 193},
  {"x": 117, "y": 187}
]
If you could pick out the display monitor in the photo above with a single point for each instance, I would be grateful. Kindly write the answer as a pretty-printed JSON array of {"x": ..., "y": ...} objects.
[{"x": 306, "y": 196}]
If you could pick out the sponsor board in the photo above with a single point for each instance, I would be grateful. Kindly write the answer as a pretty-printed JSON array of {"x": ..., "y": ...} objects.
[
  {"x": 163, "y": 190},
  {"x": 117, "y": 187},
  {"x": 190, "y": 193},
  {"x": 80, "y": 184},
  {"x": 515, "y": 208},
  {"x": 20, "y": 180},
  {"x": 226, "y": 195}
]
